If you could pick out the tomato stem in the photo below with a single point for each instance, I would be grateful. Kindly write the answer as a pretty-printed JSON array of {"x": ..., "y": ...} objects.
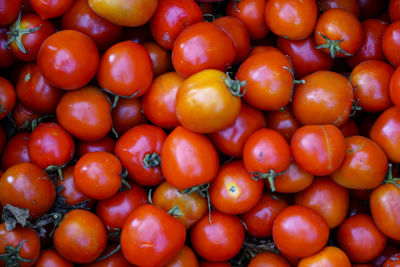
[
  {"x": 332, "y": 46},
  {"x": 389, "y": 179},
  {"x": 270, "y": 176},
  {"x": 12, "y": 257},
  {"x": 235, "y": 86},
  {"x": 234, "y": 5},
  {"x": 151, "y": 160},
  {"x": 110, "y": 253}
]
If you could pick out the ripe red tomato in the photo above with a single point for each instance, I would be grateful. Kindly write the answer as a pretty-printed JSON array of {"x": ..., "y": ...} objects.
[
  {"x": 50, "y": 257},
  {"x": 116, "y": 259},
  {"x": 294, "y": 179},
  {"x": 15, "y": 150},
  {"x": 51, "y": 8},
  {"x": 80, "y": 237},
  {"x": 68, "y": 59},
  {"x": 9, "y": 11},
  {"x": 300, "y": 231},
  {"x": 104, "y": 144},
  {"x": 268, "y": 259},
  {"x": 160, "y": 58},
  {"x": 127, "y": 114},
  {"x": 394, "y": 88},
  {"x": 185, "y": 257},
  {"x": 151, "y": 237},
  {"x": 23, "y": 116},
  {"x": 328, "y": 256},
  {"x": 7, "y": 59},
  {"x": 393, "y": 261},
  {"x": 70, "y": 192},
  {"x": 7, "y": 97},
  {"x": 283, "y": 121},
  {"x": 391, "y": 43},
  {"x": 352, "y": 6}
]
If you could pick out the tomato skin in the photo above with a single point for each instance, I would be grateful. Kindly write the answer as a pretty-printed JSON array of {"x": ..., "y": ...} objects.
[
  {"x": 127, "y": 114},
  {"x": 27, "y": 186},
  {"x": 9, "y": 11},
  {"x": 104, "y": 144},
  {"x": 80, "y": 17},
  {"x": 202, "y": 46},
  {"x": 16, "y": 150},
  {"x": 7, "y": 97},
  {"x": 68, "y": 59},
  {"x": 132, "y": 148},
  {"x": 80, "y": 237},
  {"x": 160, "y": 58},
  {"x": 283, "y": 121},
  {"x": 294, "y": 179},
  {"x": 185, "y": 257},
  {"x": 70, "y": 191},
  {"x": 7, "y": 59},
  {"x": 115, "y": 260},
  {"x": 188, "y": 159},
  {"x": 85, "y": 113},
  {"x": 328, "y": 256},
  {"x": 51, "y": 9},
  {"x": 125, "y": 69},
  {"x": 391, "y": 43},
  {"x": 143, "y": 246},
  {"x": 220, "y": 240},
  {"x": 130, "y": 13},
  {"x": 364, "y": 166},
  {"x": 393, "y": 261},
  {"x": 260, "y": 218},
  {"x": 300, "y": 231},
  {"x": 352, "y": 6},
  {"x": 171, "y": 17},
  {"x": 268, "y": 259},
  {"x": 360, "y": 239},
  {"x": 50, "y": 257},
  {"x": 30, "y": 250},
  {"x": 291, "y": 19},
  {"x": 23, "y": 116},
  {"x": 394, "y": 88},
  {"x": 205, "y": 104}
]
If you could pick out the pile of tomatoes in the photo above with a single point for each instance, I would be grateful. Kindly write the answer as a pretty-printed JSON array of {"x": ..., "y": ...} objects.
[{"x": 200, "y": 133}]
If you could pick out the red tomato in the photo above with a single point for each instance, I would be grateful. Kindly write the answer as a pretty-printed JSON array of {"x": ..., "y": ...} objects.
[
  {"x": 68, "y": 59},
  {"x": 394, "y": 87},
  {"x": 151, "y": 237},
  {"x": 300, "y": 231},
  {"x": 185, "y": 257},
  {"x": 267, "y": 259},
  {"x": 283, "y": 121},
  {"x": 104, "y": 144},
  {"x": 7, "y": 59},
  {"x": 328, "y": 256},
  {"x": 23, "y": 117},
  {"x": 352, "y": 6},
  {"x": 9, "y": 11},
  {"x": 7, "y": 97},
  {"x": 51, "y": 8},
  {"x": 293, "y": 180},
  {"x": 70, "y": 192},
  {"x": 386, "y": 253},
  {"x": 391, "y": 43},
  {"x": 160, "y": 58},
  {"x": 50, "y": 257},
  {"x": 115, "y": 260},
  {"x": 16, "y": 150},
  {"x": 392, "y": 261},
  {"x": 127, "y": 114},
  {"x": 394, "y": 10}
]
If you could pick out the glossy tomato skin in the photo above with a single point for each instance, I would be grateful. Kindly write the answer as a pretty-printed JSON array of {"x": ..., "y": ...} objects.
[
  {"x": 391, "y": 43},
  {"x": 350, "y": 5},
  {"x": 260, "y": 218},
  {"x": 251, "y": 13},
  {"x": 171, "y": 17},
  {"x": 300, "y": 231},
  {"x": 35, "y": 92},
  {"x": 50, "y": 257},
  {"x": 204, "y": 102},
  {"x": 192, "y": 206},
  {"x": 294, "y": 20},
  {"x": 80, "y": 237},
  {"x": 325, "y": 97},
  {"x": 135, "y": 149},
  {"x": 104, "y": 144},
  {"x": 16, "y": 150},
  {"x": 394, "y": 88},
  {"x": 80, "y": 17},
  {"x": 185, "y": 257},
  {"x": 202, "y": 46},
  {"x": 27, "y": 186},
  {"x": 70, "y": 192},
  {"x": 115, "y": 260},
  {"x": 7, "y": 59},
  {"x": 125, "y": 69},
  {"x": 160, "y": 58},
  {"x": 188, "y": 159},
  {"x": 68, "y": 59},
  {"x": 130, "y": 13},
  {"x": 283, "y": 121},
  {"x": 142, "y": 245},
  {"x": 294, "y": 179},
  {"x": 219, "y": 240},
  {"x": 329, "y": 256},
  {"x": 50, "y": 145},
  {"x": 51, "y": 9},
  {"x": 23, "y": 116},
  {"x": 360, "y": 239},
  {"x": 231, "y": 139},
  {"x": 9, "y": 11},
  {"x": 364, "y": 165},
  {"x": 7, "y": 97},
  {"x": 267, "y": 259},
  {"x": 127, "y": 114},
  {"x": 85, "y": 113}
]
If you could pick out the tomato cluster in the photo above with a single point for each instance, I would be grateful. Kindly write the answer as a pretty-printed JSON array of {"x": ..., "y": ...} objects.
[{"x": 200, "y": 133}]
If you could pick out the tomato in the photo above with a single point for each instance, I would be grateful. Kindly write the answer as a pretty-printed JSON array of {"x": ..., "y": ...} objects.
[
  {"x": 206, "y": 102},
  {"x": 127, "y": 114},
  {"x": 97, "y": 174},
  {"x": 371, "y": 8},
  {"x": 171, "y": 17},
  {"x": 29, "y": 250},
  {"x": 125, "y": 69},
  {"x": 139, "y": 150},
  {"x": 85, "y": 113},
  {"x": 283, "y": 121},
  {"x": 50, "y": 257},
  {"x": 16, "y": 150},
  {"x": 239, "y": 35},
  {"x": 35, "y": 92},
  {"x": 116, "y": 259},
  {"x": 269, "y": 80},
  {"x": 7, "y": 97},
  {"x": 394, "y": 10},
  {"x": 141, "y": 34},
  {"x": 130, "y": 13},
  {"x": 364, "y": 165},
  {"x": 68, "y": 59},
  {"x": 391, "y": 43},
  {"x": 318, "y": 149},
  {"x": 80, "y": 17},
  {"x": 188, "y": 159},
  {"x": 23, "y": 116},
  {"x": 160, "y": 58},
  {"x": 218, "y": 237},
  {"x": 393, "y": 261},
  {"x": 305, "y": 58},
  {"x": 251, "y": 13},
  {"x": 330, "y": 200},
  {"x": 190, "y": 207},
  {"x": 7, "y": 59},
  {"x": 394, "y": 88},
  {"x": 386, "y": 253},
  {"x": 80, "y": 237},
  {"x": 69, "y": 190},
  {"x": 371, "y": 47},
  {"x": 294, "y": 179},
  {"x": 185, "y": 257},
  {"x": 338, "y": 32},
  {"x": 360, "y": 239},
  {"x": 151, "y": 237},
  {"x": 266, "y": 259},
  {"x": 231, "y": 139},
  {"x": 51, "y": 8},
  {"x": 104, "y": 144},
  {"x": 385, "y": 131},
  {"x": 264, "y": 48},
  {"x": 300, "y": 231},
  {"x": 328, "y": 256},
  {"x": 266, "y": 154},
  {"x": 352, "y": 6},
  {"x": 114, "y": 211},
  {"x": 159, "y": 102},
  {"x": 202, "y": 46},
  {"x": 326, "y": 97},
  {"x": 260, "y": 218},
  {"x": 292, "y": 19},
  {"x": 27, "y": 186},
  {"x": 9, "y": 11}
]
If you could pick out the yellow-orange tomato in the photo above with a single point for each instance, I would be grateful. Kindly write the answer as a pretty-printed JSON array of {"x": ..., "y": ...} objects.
[{"x": 328, "y": 256}]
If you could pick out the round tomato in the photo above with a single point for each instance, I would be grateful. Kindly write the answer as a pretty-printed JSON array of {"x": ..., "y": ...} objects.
[
  {"x": 160, "y": 58},
  {"x": 391, "y": 43},
  {"x": 328, "y": 256},
  {"x": 68, "y": 188},
  {"x": 104, "y": 144},
  {"x": 268, "y": 259},
  {"x": 294, "y": 179},
  {"x": 50, "y": 257},
  {"x": 9, "y": 11},
  {"x": 7, "y": 59},
  {"x": 185, "y": 257},
  {"x": 51, "y": 8},
  {"x": 394, "y": 87},
  {"x": 127, "y": 114},
  {"x": 283, "y": 121},
  {"x": 350, "y": 5},
  {"x": 16, "y": 150},
  {"x": 116, "y": 259},
  {"x": 7, "y": 97}
]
